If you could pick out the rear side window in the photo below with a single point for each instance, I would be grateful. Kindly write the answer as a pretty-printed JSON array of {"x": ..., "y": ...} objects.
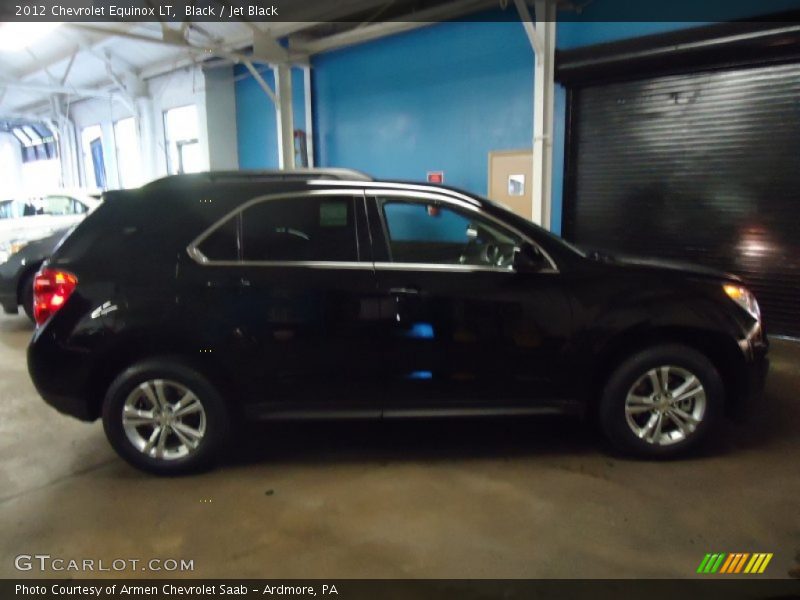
[
  {"x": 288, "y": 229},
  {"x": 300, "y": 229}
]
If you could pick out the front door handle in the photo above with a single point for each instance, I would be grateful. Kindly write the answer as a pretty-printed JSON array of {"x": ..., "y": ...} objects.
[{"x": 404, "y": 291}]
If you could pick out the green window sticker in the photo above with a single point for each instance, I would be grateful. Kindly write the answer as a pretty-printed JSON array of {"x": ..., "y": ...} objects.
[{"x": 333, "y": 213}]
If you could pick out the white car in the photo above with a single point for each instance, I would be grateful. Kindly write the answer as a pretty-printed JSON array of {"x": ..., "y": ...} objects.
[{"x": 22, "y": 221}]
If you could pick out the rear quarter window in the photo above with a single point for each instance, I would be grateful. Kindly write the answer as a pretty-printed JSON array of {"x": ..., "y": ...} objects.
[
  {"x": 223, "y": 243},
  {"x": 300, "y": 229}
]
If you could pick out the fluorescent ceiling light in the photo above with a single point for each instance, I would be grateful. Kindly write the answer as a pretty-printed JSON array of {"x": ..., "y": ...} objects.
[
  {"x": 20, "y": 135},
  {"x": 18, "y": 36}
]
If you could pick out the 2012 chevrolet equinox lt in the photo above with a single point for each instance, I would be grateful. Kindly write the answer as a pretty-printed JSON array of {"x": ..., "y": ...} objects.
[{"x": 178, "y": 308}]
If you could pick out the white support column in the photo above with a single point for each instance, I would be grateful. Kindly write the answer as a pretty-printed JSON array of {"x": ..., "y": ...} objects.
[
  {"x": 309, "y": 115},
  {"x": 543, "y": 101},
  {"x": 109, "y": 152},
  {"x": 148, "y": 145},
  {"x": 220, "y": 112},
  {"x": 284, "y": 116},
  {"x": 69, "y": 152}
]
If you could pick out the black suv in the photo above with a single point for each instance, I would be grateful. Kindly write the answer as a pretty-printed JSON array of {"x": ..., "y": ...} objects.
[{"x": 178, "y": 308}]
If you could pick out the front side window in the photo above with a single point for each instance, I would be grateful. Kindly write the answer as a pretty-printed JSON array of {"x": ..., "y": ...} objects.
[
  {"x": 433, "y": 232},
  {"x": 287, "y": 229}
]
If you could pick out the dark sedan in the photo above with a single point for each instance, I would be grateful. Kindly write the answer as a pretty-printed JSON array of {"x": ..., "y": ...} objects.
[{"x": 17, "y": 273}]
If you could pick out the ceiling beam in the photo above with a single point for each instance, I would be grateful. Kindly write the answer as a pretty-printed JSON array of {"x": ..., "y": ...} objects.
[
  {"x": 50, "y": 88},
  {"x": 227, "y": 50},
  {"x": 67, "y": 71},
  {"x": 530, "y": 29},
  {"x": 366, "y": 33},
  {"x": 98, "y": 38},
  {"x": 22, "y": 116}
]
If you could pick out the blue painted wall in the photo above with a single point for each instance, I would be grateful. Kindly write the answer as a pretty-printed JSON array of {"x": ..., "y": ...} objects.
[
  {"x": 437, "y": 98},
  {"x": 255, "y": 117},
  {"x": 442, "y": 97}
]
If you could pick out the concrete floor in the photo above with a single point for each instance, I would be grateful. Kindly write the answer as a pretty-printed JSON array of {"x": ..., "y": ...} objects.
[{"x": 473, "y": 499}]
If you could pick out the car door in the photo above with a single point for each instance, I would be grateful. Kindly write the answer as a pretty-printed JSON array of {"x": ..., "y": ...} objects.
[
  {"x": 466, "y": 330},
  {"x": 285, "y": 287}
]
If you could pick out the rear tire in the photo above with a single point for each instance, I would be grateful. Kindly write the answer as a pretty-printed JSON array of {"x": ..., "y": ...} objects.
[
  {"x": 661, "y": 402},
  {"x": 165, "y": 418}
]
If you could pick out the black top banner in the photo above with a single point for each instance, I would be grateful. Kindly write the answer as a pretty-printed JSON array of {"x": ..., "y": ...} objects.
[{"x": 379, "y": 10}]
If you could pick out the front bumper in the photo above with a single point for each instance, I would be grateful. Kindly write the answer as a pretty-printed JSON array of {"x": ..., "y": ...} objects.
[
  {"x": 9, "y": 303},
  {"x": 8, "y": 288},
  {"x": 751, "y": 380}
]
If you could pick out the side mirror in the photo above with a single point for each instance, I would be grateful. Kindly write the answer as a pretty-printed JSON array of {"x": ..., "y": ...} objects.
[{"x": 528, "y": 259}]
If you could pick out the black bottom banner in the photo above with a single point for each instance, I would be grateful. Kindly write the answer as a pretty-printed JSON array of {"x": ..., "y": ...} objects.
[{"x": 386, "y": 589}]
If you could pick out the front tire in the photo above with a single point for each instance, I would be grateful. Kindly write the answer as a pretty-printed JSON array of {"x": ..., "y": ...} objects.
[
  {"x": 165, "y": 418},
  {"x": 661, "y": 402}
]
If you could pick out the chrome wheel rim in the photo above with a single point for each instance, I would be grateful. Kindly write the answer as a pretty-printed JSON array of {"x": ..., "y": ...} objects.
[
  {"x": 164, "y": 419},
  {"x": 665, "y": 405}
]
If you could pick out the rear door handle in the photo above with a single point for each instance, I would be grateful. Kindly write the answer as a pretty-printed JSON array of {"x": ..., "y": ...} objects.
[{"x": 404, "y": 291}]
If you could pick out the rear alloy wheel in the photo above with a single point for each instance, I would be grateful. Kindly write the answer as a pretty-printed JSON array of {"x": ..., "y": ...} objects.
[
  {"x": 164, "y": 418},
  {"x": 661, "y": 402}
]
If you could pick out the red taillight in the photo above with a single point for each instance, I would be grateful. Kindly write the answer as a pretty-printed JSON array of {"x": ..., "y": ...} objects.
[{"x": 51, "y": 288}]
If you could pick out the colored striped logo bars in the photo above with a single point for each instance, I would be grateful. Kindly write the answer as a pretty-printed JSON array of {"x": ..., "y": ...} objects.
[{"x": 740, "y": 562}]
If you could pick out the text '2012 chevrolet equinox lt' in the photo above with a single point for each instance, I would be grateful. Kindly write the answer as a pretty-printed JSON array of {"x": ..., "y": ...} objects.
[{"x": 178, "y": 308}]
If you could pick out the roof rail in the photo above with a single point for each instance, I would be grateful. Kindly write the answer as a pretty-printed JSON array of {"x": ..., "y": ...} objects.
[{"x": 267, "y": 175}]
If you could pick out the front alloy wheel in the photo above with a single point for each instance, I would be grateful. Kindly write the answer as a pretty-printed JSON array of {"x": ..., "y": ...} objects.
[
  {"x": 665, "y": 405},
  {"x": 661, "y": 401}
]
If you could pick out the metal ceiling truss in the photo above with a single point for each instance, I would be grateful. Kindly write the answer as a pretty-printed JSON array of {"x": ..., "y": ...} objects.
[{"x": 260, "y": 46}]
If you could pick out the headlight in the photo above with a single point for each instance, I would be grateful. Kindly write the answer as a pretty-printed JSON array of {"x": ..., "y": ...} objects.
[
  {"x": 8, "y": 250},
  {"x": 744, "y": 298},
  {"x": 16, "y": 247}
]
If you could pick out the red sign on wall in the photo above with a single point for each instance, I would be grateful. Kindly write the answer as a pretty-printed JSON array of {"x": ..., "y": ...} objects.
[{"x": 435, "y": 176}]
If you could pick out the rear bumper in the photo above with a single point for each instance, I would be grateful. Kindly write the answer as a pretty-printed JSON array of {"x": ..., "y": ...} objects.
[{"x": 60, "y": 375}]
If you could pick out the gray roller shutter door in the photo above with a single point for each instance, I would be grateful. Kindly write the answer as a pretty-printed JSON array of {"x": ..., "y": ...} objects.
[{"x": 703, "y": 167}]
